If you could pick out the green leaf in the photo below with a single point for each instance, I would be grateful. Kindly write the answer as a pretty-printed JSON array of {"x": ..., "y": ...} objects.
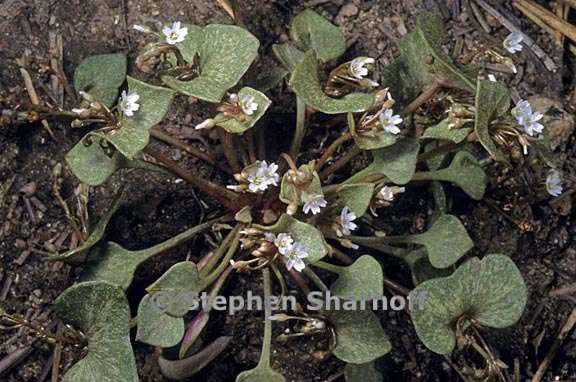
[
  {"x": 290, "y": 194},
  {"x": 115, "y": 264},
  {"x": 365, "y": 372},
  {"x": 492, "y": 101},
  {"x": 363, "y": 280},
  {"x": 312, "y": 31},
  {"x": 96, "y": 234},
  {"x": 233, "y": 125},
  {"x": 288, "y": 55},
  {"x": 101, "y": 76},
  {"x": 397, "y": 162},
  {"x": 542, "y": 147},
  {"x": 442, "y": 131},
  {"x": 309, "y": 238},
  {"x": 128, "y": 139},
  {"x": 376, "y": 140},
  {"x": 157, "y": 328},
  {"x": 101, "y": 311},
  {"x": 91, "y": 165},
  {"x": 356, "y": 197},
  {"x": 422, "y": 60},
  {"x": 154, "y": 103},
  {"x": 421, "y": 268},
  {"x": 226, "y": 52},
  {"x": 269, "y": 80},
  {"x": 446, "y": 241},
  {"x": 464, "y": 171},
  {"x": 176, "y": 282},
  {"x": 489, "y": 292},
  {"x": 306, "y": 84},
  {"x": 360, "y": 337}
]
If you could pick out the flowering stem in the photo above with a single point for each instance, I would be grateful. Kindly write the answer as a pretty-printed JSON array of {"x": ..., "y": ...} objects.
[
  {"x": 328, "y": 267},
  {"x": 160, "y": 135},
  {"x": 267, "y": 340},
  {"x": 423, "y": 97},
  {"x": 380, "y": 244},
  {"x": 222, "y": 195},
  {"x": 300, "y": 128},
  {"x": 217, "y": 255},
  {"x": 332, "y": 149},
  {"x": 225, "y": 263},
  {"x": 289, "y": 161},
  {"x": 340, "y": 162},
  {"x": 227, "y": 141}
]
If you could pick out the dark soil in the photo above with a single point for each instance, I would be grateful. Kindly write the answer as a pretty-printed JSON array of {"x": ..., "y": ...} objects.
[{"x": 156, "y": 207}]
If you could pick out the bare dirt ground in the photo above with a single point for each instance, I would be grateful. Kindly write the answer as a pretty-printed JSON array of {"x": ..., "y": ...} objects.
[{"x": 157, "y": 207}]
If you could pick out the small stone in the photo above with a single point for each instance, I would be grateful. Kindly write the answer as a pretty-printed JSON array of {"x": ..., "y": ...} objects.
[{"x": 20, "y": 244}]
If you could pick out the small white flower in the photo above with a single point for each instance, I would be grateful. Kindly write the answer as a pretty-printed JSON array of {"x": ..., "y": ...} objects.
[
  {"x": 284, "y": 243},
  {"x": 554, "y": 183},
  {"x": 346, "y": 222},
  {"x": 313, "y": 203},
  {"x": 175, "y": 33},
  {"x": 265, "y": 176},
  {"x": 129, "y": 103},
  {"x": 247, "y": 104},
  {"x": 294, "y": 258},
  {"x": 492, "y": 78},
  {"x": 513, "y": 43},
  {"x": 389, "y": 120},
  {"x": 79, "y": 111},
  {"x": 357, "y": 69},
  {"x": 527, "y": 118},
  {"x": 388, "y": 193}
]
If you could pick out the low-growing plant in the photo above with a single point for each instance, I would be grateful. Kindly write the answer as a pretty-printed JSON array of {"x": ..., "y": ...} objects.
[{"x": 313, "y": 207}]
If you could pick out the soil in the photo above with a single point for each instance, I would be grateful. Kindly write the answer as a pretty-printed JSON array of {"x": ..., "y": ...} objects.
[{"x": 535, "y": 232}]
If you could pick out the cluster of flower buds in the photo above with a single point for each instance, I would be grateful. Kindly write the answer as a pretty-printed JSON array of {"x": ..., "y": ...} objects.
[
  {"x": 383, "y": 120},
  {"x": 460, "y": 114}
]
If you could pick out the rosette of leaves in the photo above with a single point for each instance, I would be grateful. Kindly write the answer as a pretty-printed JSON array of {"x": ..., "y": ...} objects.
[
  {"x": 488, "y": 292},
  {"x": 225, "y": 52}
]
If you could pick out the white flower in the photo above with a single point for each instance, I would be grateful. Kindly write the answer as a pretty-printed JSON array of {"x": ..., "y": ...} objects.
[
  {"x": 284, "y": 243},
  {"x": 388, "y": 193},
  {"x": 247, "y": 104},
  {"x": 313, "y": 203},
  {"x": 389, "y": 120},
  {"x": 492, "y": 77},
  {"x": 175, "y": 33},
  {"x": 265, "y": 176},
  {"x": 527, "y": 118},
  {"x": 357, "y": 68},
  {"x": 129, "y": 103},
  {"x": 554, "y": 183},
  {"x": 513, "y": 43},
  {"x": 79, "y": 111},
  {"x": 346, "y": 222},
  {"x": 294, "y": 258}
]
